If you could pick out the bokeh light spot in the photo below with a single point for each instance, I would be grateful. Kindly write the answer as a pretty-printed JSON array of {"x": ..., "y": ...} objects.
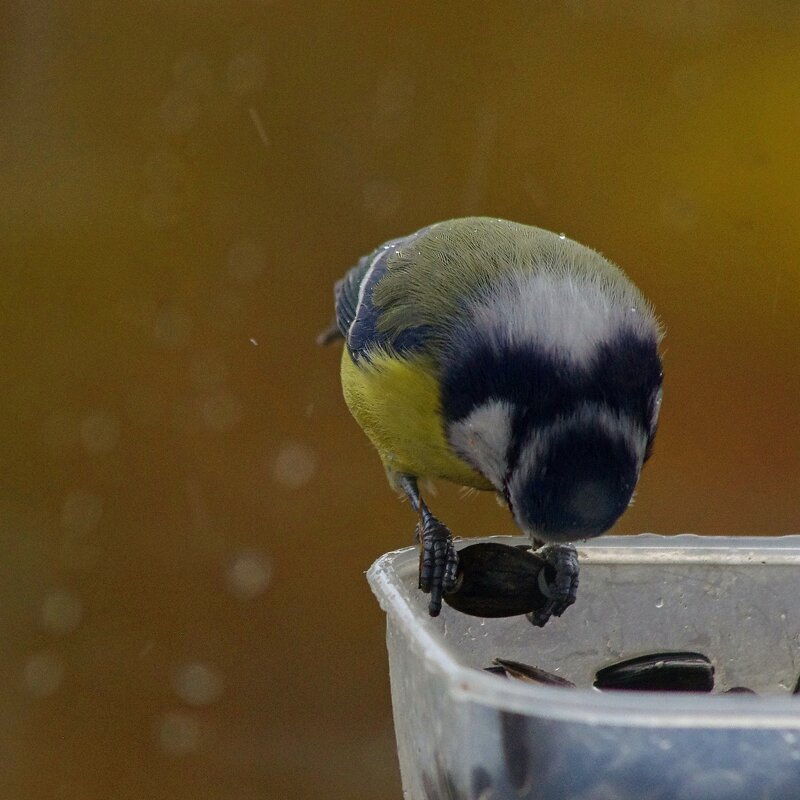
[
  {"x": 249, "y": 574},
  {"x": 43, "y": 674},
  {"x": 294, "y": 466},
  {"x": 61, "y": 612},
  {"x": 197, "y": 684}
]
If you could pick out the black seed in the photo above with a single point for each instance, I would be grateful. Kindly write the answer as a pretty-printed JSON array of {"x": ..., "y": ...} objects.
[
  {"x": 497, "y": 580},
  {"x": 526, "y": 672},
  {"x": 659, "y": 672}
]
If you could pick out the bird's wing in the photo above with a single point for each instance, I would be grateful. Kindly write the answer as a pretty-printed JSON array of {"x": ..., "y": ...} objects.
[
  {"x": 346, "y": 295},
  {"x": 357, "y": 316}
]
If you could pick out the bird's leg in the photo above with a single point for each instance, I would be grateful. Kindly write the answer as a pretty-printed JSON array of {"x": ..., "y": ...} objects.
[
  {"x": 558, "y": 580},
  {"x": 438, "y": 559}
]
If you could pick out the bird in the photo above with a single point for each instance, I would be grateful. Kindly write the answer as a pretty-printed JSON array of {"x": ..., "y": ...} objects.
[{"x": 507, "y": 358}]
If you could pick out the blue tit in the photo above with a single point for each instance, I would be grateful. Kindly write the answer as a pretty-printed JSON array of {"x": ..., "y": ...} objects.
[{"x": 506, "y": 358}]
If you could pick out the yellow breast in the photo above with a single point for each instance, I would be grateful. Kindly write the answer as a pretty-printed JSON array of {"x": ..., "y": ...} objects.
[{"x": 396, "y": 402}]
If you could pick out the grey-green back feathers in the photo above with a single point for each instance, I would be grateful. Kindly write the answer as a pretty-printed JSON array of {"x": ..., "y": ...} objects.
[{"x": 479, "y": 265}]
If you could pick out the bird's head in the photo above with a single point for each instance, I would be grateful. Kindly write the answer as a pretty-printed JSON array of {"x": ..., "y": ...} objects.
[
  {"x": 564, "y": 448},
  {"x": 572, "y": 479},
  {"x": 553, "y": 395}
]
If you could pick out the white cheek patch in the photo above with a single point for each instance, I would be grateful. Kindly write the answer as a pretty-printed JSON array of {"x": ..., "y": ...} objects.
[
  {"x": 482, "y": 439},
  {"x": 566, "y": 315}
]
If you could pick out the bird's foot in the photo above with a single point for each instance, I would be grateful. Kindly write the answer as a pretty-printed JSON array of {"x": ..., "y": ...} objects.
[
  {"x": 558, "y": 581},
  {"x": 438, "y": 560}
]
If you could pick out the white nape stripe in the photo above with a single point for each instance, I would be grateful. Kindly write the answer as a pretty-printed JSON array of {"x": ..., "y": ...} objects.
[
  {"x": 614, "y": 424},
  {"x": 364, "y": 282},
  {"x": 482, "y": 439},
  {"x": 568, "y": 315}
]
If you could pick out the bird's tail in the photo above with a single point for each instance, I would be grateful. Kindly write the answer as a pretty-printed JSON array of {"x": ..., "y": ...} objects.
[{"x": 329, "y": 335}]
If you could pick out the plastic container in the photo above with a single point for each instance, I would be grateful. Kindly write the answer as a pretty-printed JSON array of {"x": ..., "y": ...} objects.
[{"x": 465, "y": 733}]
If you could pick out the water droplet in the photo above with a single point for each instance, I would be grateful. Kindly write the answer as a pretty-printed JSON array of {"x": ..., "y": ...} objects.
[
  {"x": 178, "y": 733},
  {"x": 783, "y": 615},
  {"x": 248, "y": 574},
  {"x": 294, "y": 466},
  {"x": 789, "y": 737},
  {"x": 43, "y": 674},
  {"x": 99, "y": 433},
  {"x": 562, "y": 235},
  {"x": 61, "y": 612},
  {"x": 197, "y": 684},
  {"x": 254, "y": 342},
  {"x": 660, "y": 602}
]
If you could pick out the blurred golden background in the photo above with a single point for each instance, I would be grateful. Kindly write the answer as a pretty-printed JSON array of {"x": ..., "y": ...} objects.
[{"x": 187, "y": 508}]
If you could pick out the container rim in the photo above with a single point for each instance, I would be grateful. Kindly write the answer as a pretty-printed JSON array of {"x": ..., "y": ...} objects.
[{"x": 643, "y": 709}]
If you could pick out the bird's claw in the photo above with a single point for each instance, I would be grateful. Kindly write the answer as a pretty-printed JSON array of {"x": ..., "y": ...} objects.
[
  {"x": 438, "y": 562},
  {"x": 560, "y": 583}
]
